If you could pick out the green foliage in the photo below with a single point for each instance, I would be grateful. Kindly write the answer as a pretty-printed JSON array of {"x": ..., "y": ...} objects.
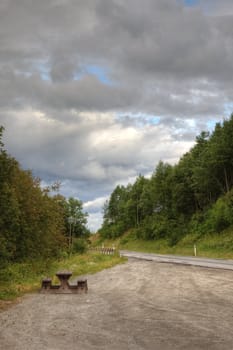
[
  {"x": 33, "y": 222},
  {"x": 19, "y": 278},
  {"x": 220, "y": 215},
  {"x": 194, "y": 196},
  {"x": 197, "y": 224},
  {"x": 113, "y": 230},
  {"x": 153, "y": 227},
  {"x": 214, "y": 245},
  {"x": 80, "y": 246},
  {"x": 74, "y": 217}
]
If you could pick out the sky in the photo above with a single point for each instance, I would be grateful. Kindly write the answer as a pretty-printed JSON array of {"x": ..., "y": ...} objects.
[{"x": 95, "y": 92}]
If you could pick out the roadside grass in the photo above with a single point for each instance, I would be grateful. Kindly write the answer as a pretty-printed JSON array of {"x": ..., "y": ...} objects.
[
  {"x": 209, "y": 246},
  {"x": 21, "y": 278}
]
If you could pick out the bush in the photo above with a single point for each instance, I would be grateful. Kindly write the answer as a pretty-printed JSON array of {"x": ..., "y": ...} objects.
[
  {"x": 151, "y": 228},
  {"x": 113, "y": 231},
  {"x": 197, "y": 225},
  {"x": 220, "y": 216},
  {"x": 80, "y": 246}
]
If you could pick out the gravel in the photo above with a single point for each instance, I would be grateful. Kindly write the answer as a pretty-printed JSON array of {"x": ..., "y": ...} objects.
[{"x": 136, "y": 305}]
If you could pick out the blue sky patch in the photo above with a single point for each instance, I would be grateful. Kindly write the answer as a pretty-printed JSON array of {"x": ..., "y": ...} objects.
[
  {"x": 141, "y": 119},
  {"x": 43, "y": 69},
  {"x": 211, "y": 125},
  {"x": 191, "y": 2},
  {"x": 228, "y": 109},
  {"x": 99, "y": 72}
]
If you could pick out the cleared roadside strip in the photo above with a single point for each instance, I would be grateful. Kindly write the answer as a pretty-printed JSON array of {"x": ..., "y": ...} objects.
[{"x": 183, "y": 260}]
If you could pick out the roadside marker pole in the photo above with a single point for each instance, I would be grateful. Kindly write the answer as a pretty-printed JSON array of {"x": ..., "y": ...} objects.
[{"x": 195, "y": 250}]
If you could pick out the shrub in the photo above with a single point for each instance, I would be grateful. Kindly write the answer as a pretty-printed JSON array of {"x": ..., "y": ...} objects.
[
  {"x": 220, "y": 216},
  {"x": 80, "y": 246}
]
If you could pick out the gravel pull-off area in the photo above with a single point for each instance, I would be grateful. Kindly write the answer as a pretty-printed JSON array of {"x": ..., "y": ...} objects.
[{"x": 137, "y": 305}]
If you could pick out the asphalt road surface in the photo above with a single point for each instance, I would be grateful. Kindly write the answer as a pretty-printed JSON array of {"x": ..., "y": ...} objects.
[
  {"x": 184, "y": 260},
  {"x": 137, "y": 305}
]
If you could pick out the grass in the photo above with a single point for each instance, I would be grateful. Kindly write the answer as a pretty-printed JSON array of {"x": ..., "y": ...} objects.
[
  {"x": 21, "y": 278},
  {"x": 18, "y": 279},
  {"x": 209, "y": 245}
]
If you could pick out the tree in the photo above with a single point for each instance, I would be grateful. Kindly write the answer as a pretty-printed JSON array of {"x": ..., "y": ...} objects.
[
  {"x": 135, "y": 205},
  {"x": 75, "y": 218},
  {"x": 115, "y": 213},
  {"x": 1, "y": 143},
  {"x": 31, "y": 224},
  {"x": 178, "y": 197}
]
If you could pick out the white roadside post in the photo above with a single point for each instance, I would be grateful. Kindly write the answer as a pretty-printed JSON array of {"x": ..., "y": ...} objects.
[{"x": 195, "y": 250}]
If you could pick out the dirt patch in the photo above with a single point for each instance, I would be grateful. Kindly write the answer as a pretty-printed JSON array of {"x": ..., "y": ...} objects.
[
  {"x": 6, "y": 304},
  {"x": 137, "y": 305}
]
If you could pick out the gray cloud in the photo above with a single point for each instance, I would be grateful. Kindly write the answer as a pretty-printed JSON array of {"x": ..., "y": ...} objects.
[{"x": 95, "y": 92}]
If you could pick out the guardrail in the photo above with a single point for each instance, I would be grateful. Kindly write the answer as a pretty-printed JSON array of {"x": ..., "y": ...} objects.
[{"x": 103, "y": 250}]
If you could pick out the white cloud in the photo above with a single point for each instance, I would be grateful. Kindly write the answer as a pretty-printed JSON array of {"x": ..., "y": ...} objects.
[
  {"x": 95, "y": 204},
  {"x": 95, "y": 221},
  {"x": 94, "y": 93}
]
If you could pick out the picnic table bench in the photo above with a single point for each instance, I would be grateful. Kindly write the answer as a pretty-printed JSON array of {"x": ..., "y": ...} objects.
[{"x": 64, "y": 286}]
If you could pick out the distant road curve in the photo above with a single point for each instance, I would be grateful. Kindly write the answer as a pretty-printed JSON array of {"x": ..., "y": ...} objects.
[{"x": 184, "y": 260}]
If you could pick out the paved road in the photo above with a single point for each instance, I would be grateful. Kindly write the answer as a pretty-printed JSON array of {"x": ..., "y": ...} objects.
[{"x": 184, "y": 260}]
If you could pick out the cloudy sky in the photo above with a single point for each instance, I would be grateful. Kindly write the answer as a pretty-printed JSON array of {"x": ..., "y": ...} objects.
[{"x": 95, "y": 92}]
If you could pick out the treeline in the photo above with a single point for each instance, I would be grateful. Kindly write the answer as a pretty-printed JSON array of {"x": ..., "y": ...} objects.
[
  {"x": 34, "y": 221},
  {"x": 193, "y": 196}
]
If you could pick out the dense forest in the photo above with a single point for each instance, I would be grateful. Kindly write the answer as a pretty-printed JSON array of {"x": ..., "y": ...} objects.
[
  {"x": 35, "y": 222},
  {"x": 193, "y": 196}
]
